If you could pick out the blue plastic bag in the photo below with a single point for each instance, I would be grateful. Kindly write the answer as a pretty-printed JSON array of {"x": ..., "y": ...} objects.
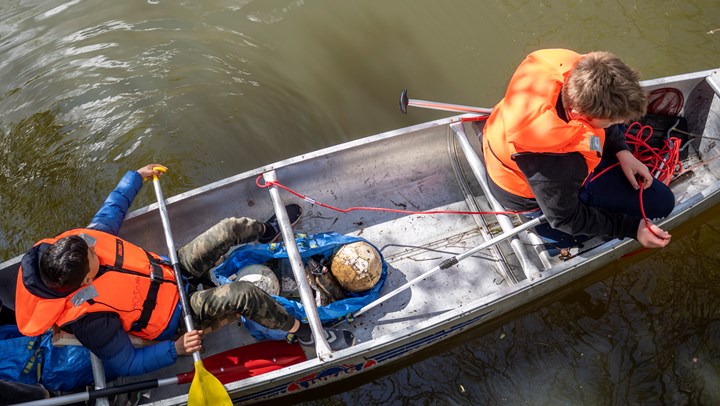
[
  {"x": 325, "y": 244},
  {"x": 33, "y": 360}
]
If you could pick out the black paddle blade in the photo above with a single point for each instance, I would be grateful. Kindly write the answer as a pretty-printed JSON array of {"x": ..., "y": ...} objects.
[{"x": 404, "y": 100}]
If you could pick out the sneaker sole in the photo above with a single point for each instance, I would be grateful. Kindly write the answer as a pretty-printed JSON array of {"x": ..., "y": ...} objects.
[{"x": 277, "y": 237}]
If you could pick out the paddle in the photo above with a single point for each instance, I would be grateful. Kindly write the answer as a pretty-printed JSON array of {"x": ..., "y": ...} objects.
[
  {"x": 205, "y": 389},
  {"x": 231, "y": 365},
  {"x": 405, "y": 102}
]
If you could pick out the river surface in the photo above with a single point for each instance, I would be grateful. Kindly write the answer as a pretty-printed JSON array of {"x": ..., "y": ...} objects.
[{"x": 92, "y": 88}]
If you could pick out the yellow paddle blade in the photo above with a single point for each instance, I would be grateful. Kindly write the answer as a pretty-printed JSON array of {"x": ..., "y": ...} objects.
[{"x": 206, "y": 389}]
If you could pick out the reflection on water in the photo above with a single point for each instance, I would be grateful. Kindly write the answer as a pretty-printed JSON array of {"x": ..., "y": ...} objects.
[{"x": 214, "y": 88}]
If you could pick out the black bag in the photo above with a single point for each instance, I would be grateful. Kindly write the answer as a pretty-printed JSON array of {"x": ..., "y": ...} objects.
[{"x": 663, "y": 128}]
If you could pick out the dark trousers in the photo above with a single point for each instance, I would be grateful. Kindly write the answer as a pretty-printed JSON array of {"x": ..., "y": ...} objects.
[
  {"x": 13, "y": 392},
  {"x": 214, "y": 306},
  {"x": 613, "y": 192}
]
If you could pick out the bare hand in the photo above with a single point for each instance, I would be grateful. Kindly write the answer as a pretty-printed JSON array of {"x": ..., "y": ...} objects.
[
  {"x": 148, "y": 171},
  {"x": 647, "y": 239},
  {"x": 189, "y": 343},
  {"x": 634, "y": 169}
]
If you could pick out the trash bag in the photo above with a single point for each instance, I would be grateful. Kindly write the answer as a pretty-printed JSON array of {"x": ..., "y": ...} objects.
[
  {"x": 33, "y": 360},
  {"x": 325, "y": 244}
]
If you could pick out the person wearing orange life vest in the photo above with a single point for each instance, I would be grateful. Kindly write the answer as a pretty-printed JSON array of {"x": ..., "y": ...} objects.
[
  {"x": 101, "y": 288},
  {"x": 559, "y": 122}
]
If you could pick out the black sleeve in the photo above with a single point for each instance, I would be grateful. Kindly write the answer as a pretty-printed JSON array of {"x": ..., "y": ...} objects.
[
  {"x": 101, "y": 333},
  {"x": 556, "y": 179},
  {"x": 614, "y": 141}
]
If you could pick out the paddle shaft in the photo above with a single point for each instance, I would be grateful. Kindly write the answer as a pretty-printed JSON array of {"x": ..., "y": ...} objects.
[
  {"x": 452, "y": 261},
  {"x": 102, "y": 393},
  {"x": 233, "y": 364},
  {"x": 405, "y": 101},
  {"x": 174, "y": 260}
]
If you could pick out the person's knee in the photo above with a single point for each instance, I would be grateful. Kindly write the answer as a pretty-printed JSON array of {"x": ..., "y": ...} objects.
[
  {"x": 242, "y": 229},
  {"x": 243, "y": 291},
  {"x": 661, "y": 201}
]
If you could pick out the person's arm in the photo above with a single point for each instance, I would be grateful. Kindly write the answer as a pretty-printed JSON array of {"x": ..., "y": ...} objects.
[
  {"x": 616, "y": 145},
  {"x": 16, "y": 392},
  {"x": 102, "y": 334},
  {"x": 615, "y": 140},
  {"x": 555, "y": 179},
  {"x": 112, "y": 213}
]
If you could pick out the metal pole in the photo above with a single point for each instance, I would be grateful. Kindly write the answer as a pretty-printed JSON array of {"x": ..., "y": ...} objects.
[
  {"x": 99, "y": 378},
  {"x": 479, "y": 170},
  {"x": 321, "y": 346},
  {"x": 405, "y": 101},
  {"x": 426, "y": 104},
  {"x": 174, "y": 260},
  {"x": 91, "y": 394},
  {"x": 453, "y": 261}
]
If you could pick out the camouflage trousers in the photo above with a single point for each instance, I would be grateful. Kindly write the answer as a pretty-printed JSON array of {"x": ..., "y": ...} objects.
[
  {"x": 214, "y": 306},
  {"x": 201, "y": 254}
]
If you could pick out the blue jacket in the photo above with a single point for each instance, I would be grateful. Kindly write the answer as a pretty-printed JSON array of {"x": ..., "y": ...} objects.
[{"x": 102, "y": 333}]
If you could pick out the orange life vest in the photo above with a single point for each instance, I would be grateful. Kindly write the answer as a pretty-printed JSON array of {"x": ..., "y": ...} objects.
[
  {"x": 526, "y": 120},
  {"x": 137, "y": 285}
]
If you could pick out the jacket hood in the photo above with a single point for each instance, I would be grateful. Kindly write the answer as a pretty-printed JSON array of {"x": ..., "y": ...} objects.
[
  {"x": 30, "y": 266},
  {"x": 33, "y": 298}
]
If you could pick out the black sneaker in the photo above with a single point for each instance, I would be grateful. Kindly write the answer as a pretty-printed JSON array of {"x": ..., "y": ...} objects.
[
  {"x": 338, "y": 339},
  {"x": 272, "y": 228}
]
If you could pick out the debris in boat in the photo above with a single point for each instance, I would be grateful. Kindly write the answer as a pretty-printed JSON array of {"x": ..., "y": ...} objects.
[
  {"x": 260, "y": 276},
  {"x": 288, "y": 284},
  {"x": 324, "y": 279},
  {"x": 311, "y": 279},
  {"x": 357, "y": 266},
  {"x": 400, "y": 205},
  {"x": 289, "y": 287},
  {"x": 326, "y": 288},
  {"x": 565, "y": 254},
  {"x": 321, "y": 299}
]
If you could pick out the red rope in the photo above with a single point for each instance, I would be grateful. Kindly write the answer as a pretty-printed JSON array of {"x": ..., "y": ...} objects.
[
  {"x": 665, "y": 161},
  {"x": 327, "y": 206},
  {"x": 645, "y": 219}
]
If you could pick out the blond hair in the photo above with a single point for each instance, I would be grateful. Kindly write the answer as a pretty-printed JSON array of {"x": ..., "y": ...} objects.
[{"x": 602, "y": 86}]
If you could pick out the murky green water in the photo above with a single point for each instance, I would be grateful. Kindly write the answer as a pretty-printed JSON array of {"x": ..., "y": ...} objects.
[{"x": 90, "y": 89}]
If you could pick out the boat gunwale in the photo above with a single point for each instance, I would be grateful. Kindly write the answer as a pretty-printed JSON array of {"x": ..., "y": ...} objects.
[{"x": 299, "y": 159}]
